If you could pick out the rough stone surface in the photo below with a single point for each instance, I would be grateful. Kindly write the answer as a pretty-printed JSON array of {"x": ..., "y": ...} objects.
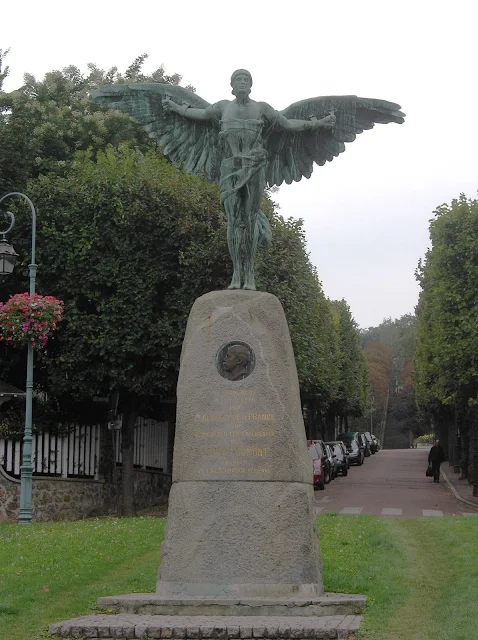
[
  {"x": 329, "y": 604},
  {"x": 244, "y": 538},
  {"x": 250, "y": 429},
  {"x": 222, "y": 628},
  {"x": 74, "y": 498},
  {"x": 241, "y": 518}
]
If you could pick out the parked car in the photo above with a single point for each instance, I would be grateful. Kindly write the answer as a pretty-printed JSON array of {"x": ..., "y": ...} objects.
[
  {"x": 317, "y": 465},
  {"x": 356, "y": 454},
  {"x": 334, "y": 471},
  {"x": 366, "y": 446},
  {"x": 326, "y": 462},
  {"x": 341, "y": 455},
  {"x": 347, "y": 437},
  {"x": 370, "y": 442},
  {"x": 376, "y": 442},
  {"x": 344, "y": 449}
]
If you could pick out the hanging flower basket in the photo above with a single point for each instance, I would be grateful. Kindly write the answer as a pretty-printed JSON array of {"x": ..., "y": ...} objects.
[{"x": 26, "y": 319}]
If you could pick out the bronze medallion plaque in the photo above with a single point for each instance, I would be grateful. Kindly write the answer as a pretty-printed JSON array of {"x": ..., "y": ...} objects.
[{"x": 235, "y": 361}]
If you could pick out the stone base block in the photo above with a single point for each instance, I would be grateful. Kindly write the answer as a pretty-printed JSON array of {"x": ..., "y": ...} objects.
[
  {"x": 328, "y": 604},
  {"x": 201, "y": 627},
  {"x": 241, "y": 539}
]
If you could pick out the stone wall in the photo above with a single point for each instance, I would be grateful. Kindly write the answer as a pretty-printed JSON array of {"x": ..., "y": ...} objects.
[{"x": 75, "y": 498}]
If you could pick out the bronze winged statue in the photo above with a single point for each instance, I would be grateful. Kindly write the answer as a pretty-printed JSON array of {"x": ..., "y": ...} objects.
[{"x": 245, "y": 145}]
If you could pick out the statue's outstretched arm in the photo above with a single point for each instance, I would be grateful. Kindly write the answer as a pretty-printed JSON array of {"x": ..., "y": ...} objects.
[
  {"x": 184, "y": 110},
  {"x": 293, "y": 124},
  {"x": 306, "y": 125}
]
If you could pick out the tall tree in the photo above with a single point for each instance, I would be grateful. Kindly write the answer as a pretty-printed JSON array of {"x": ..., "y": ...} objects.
[
  {"x": 4, "y": 71},
  {"x": 47, "y": 121},
  {"x": 446, "y": 360},
  {"x": 352, "y": 397},
  {"x": 285, "y": 270},
  {"x": 380, "y": 361}
]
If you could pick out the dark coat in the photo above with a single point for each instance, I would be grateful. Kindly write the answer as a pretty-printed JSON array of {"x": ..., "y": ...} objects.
[{"x": 436, "y": 455}]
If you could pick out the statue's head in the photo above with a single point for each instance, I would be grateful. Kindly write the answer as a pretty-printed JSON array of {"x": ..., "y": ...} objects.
[
  {"x": 236, "y": 356},
  {"x": 241, "y": 82}
]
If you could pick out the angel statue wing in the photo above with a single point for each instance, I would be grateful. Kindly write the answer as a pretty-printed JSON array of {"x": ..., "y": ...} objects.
[
  {"x": 189, "y": 143},
  {"x": 291, "y": 155}
]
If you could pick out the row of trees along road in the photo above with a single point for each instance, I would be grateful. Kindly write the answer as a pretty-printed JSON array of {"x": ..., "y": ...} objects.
[
  {"x": 392, "y": 412},
  {"x": 446, "y": 360},
  {"x": 128, "y": 242}
]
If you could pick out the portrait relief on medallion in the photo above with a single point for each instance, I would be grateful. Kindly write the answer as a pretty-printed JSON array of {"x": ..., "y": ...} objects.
[{"x": 235, "y": 361}]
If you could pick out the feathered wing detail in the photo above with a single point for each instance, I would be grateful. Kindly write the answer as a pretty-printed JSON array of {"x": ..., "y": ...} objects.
[
  {"x": 291, "y": 155},
  {"x": 192, "y": 144}
]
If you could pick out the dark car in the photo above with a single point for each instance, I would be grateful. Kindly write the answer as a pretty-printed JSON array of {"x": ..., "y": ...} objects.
[
  {"x": 356, "y": 453},
  {"x": 376, "y": 442},
  {"x": 370, "y": 442},
  {"x": 326, "y": 462},
  {"x": 334, "y": 471},
  {"x": 344, "y": 449},
  {"x": 341, "y": 455},
  {"x": 348, "y": 436},
  {"x": 317, "y": 465},
  {"x": 365, "y": 444}
]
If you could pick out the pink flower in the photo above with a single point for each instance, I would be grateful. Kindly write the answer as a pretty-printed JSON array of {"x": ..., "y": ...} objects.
[{"x": 33, "y": 318}]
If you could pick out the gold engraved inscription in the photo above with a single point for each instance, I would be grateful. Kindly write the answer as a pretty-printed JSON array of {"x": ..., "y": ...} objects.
[
  {"x": 230, "y": 452},
  {"x": 234, "y": 417},
  {"x": 217, "y": 470},
  {"x": 235, "y": 434},
  {"x": 234, "y": 437}
]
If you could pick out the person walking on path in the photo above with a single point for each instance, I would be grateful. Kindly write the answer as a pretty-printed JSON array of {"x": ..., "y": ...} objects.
[{"x": 435, "y": 458}]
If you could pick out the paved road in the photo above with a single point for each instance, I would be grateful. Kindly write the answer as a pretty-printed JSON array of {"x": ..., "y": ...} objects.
[{"x": 391, "y": 483}]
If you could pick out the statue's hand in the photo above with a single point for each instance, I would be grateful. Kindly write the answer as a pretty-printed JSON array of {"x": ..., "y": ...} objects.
[
  {"x": 328, "y": 122},
  {"x": 169, "y": 105}
]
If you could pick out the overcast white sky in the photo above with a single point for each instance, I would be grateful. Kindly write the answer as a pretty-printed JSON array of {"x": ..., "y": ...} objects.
[{"x": 366, "y": 214}]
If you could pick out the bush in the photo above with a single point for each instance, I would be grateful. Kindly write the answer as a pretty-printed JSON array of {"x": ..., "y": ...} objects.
[{"x": 428, "y": 438}]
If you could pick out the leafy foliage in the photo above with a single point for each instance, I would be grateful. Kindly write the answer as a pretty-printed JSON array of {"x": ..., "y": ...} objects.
[
  {"x": 352, "y": 396},
  {"x": 284, "y": 269},
  {"x": 44, "y": 123},
  {"x": 129, "y": 242},
  {"x": 380, "y": 360},
  {"x": 391, "y": 372},
  {"x": 4, "y": 71},
  {"x": 446, "y": 360}
]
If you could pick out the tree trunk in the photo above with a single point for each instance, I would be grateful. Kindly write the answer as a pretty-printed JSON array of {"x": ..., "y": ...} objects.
[
  {"x": 127, "y": 467},
  {"x": 474, "y": 456},
  {"x": 330, "y": 421}
]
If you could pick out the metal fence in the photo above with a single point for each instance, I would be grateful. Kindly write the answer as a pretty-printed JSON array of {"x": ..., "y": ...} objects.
[
  {"x": 77, "y": 452},
  {"x": 150, "y": 444}
]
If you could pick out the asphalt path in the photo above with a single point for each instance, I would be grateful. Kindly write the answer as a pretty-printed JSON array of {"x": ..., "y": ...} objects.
[{"x": 391, "y": 483}]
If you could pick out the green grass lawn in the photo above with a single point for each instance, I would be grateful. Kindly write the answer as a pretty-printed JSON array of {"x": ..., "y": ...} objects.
[{"x": 420, "y": 575}]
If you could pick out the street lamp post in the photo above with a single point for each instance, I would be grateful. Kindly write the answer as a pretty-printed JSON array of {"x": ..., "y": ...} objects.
[{"x": 7, "y": 263}]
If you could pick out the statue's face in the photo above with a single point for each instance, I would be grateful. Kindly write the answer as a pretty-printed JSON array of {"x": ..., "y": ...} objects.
[
  {"x": 234, "y": 359},
  {"x": 241, "y": 84},
  {"x": 230, "y": 361}
]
